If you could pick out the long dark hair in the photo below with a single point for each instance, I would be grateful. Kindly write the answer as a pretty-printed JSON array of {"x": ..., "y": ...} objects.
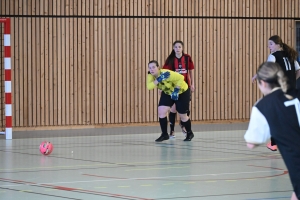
[
  {"x": 292, "y": 53},
  {"x": 170, "y": 58}
]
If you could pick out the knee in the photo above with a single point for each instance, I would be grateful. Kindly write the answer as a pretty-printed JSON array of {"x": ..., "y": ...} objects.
[
  {"x": 162, "y": 112},
  {"x": 184, "y": 117}
]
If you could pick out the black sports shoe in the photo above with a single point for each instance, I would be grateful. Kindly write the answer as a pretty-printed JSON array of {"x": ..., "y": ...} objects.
[
  {"x": 162, "y": 138},
  {"x": 189, "y": 136}
]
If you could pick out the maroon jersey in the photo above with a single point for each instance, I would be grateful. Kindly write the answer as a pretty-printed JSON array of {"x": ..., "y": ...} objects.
[{"x": 182, "y": 66}]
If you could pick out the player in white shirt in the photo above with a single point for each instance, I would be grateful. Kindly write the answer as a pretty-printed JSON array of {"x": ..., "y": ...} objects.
[{"x": 277, "y": 115}]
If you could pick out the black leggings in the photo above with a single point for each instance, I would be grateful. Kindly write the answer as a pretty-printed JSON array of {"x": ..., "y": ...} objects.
[{"x": 273, "y": 142}]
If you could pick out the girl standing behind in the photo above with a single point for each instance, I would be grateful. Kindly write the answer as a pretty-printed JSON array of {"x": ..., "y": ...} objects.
[{"x": 181, "y": 63}]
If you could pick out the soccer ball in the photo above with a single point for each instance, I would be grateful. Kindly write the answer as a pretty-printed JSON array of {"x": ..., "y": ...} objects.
[{"x": 46, "y": 148}]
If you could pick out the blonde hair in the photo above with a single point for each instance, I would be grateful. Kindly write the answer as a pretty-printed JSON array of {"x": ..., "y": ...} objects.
[{"x": 272, "y": 73}]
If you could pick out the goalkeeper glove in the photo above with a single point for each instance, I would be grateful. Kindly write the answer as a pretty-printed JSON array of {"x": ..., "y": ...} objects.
[
  {"x": 175, "y": 94},
  {"x": 163, "y": 76}
]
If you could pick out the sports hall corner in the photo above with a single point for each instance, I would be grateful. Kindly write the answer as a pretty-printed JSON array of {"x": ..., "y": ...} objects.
[{"x": 78, "y": 120}]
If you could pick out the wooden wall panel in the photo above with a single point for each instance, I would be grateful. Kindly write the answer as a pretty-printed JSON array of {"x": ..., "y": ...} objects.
[{"x": 85, "y": 62}]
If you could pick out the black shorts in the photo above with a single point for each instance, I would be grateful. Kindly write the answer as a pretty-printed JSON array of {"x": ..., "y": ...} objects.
[{"x": 182, "y": 104}]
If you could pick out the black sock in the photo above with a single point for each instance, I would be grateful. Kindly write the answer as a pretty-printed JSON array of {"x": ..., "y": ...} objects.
[
  {"x": 164, "y": 125},
  {"x": 273, "y": 142},
  {"x": 187, "y": 125},
  {"x": 172, "y": 118}
]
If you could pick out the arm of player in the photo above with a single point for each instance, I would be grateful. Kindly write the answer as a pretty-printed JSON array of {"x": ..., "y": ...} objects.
[
  {"x": 297, "y": 69},
  {"x": 191, "y": 73},
  {"x": 151, "y": 82},
  {"x": 258, "y": 130},
  {"x": 177, "y": 79},
  {"x": 192, "y": 80},
  {"x": 271, "y": 58}
]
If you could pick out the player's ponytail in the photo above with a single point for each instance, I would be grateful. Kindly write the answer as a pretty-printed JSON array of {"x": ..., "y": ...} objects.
[
  {"x": 292, "y": 53},
  {"x": 282, "y": 80},
  {"x": 170, "y": 58},
  {"x": 271, "y": 73}
]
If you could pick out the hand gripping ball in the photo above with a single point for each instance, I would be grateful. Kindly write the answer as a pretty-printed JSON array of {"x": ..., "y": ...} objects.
[{"x": 46, "y": 148}]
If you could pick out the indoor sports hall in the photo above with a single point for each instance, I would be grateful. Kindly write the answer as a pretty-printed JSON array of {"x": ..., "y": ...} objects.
[
  {"x": 74, "y": 74},
  {"x": 126, "y": 163}
]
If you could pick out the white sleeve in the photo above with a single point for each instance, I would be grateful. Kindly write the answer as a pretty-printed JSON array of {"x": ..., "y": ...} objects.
[
  {"x": 297, "y": 67},
  {"x": 271, "y": 58},
  {"x": 258, "y": 130}
]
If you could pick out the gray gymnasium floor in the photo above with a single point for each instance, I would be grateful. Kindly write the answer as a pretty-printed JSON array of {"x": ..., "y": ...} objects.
[{"x": 126, "y": 163}]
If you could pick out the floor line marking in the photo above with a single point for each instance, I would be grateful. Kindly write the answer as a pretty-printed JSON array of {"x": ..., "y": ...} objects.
[
  {"x": 168, "y": 184},
  {"x": 190, "y": 183},
  {"x": 133, "y": 163},
  {"x": 271, "y": 198},
  {"x": 163, "y": 168},
  {"x": 142, "y": 134},
  {"x": 146, "y": 178}
]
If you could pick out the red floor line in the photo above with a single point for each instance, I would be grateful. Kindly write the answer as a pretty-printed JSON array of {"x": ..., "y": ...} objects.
[
  {"x": 16, "y": 181},
  {"x": 73, "y": 189},
  {"x": 93, "y": 192},
  {"x": 266, "y": 167},
  {"x": 260, "y": 177},
  {"x": 119, "y": 177},
  {"x": 113, "y": 195}
]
